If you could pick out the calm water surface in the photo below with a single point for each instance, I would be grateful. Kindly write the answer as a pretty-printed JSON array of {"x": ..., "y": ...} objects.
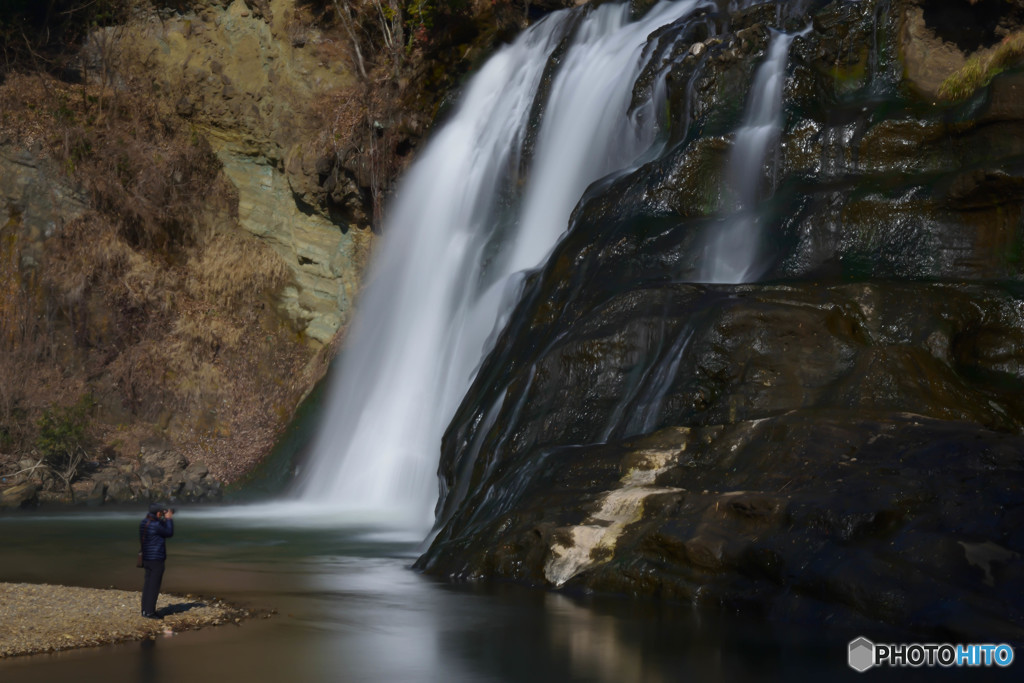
[{"x": 350, "y": 609}]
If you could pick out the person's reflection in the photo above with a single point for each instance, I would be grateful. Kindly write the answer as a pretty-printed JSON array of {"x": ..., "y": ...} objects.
[{"x": 148, "y": 670}]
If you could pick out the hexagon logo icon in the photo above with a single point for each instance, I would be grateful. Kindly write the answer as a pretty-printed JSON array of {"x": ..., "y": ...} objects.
[{"x": 862, "y": 654}]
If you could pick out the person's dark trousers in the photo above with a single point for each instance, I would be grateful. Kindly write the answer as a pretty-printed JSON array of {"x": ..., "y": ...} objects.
[{"x": 151, "y": 585}]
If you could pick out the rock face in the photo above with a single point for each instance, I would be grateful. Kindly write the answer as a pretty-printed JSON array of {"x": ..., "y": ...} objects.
[
  {"x": 841, "y": 438},
  {"x": 185, "y": 218},
  {"x": 250, "y": 79},
  {"x": 162, "y": 473},
  {"x": 794, "y": 517},
  {"x": 326, "y": 262},
  {"x": 195, "y": 332},
  {"x": 938, "y": 37},
  {"x": 32, "y": 196}
]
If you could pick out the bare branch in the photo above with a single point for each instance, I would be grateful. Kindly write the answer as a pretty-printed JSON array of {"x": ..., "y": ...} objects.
[{"x": 345, "y": 15}]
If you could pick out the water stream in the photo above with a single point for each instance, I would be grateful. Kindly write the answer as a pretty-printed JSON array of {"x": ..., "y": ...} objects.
[
  {"x": 487, "y": 199},
  {"x": 733, "y": 253}
]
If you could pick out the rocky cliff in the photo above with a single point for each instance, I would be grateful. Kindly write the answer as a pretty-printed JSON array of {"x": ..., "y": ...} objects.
[
  {"x": 840, "y": 439},
  {"x": 189, "y": 191},
  {"x": 187, "y": 204}
]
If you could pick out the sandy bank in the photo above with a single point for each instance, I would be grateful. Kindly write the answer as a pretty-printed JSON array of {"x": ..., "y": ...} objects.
[{"x": 44, "y": 618}]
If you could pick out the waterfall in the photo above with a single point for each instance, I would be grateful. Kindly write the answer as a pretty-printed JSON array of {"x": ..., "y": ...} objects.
[
  {"x": 733, "y": 254},
  {"x": 479, "y": 206}
]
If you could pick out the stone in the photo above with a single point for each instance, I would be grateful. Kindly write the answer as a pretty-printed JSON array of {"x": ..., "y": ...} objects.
[
  {"x": 19, "y": 496},
  {"x": 192, "y": 490},
  {"x": 1005, "y": 100},
  {"x": 928, "y": 59},
  {"x": 326, "y": 262},
  {"x": 872, "y": 516},
  {"x": 173, "y": 485},
  {"x": 119, "y": 491},
  {"x": 184, "y": 107},
  {"x": 196, "y": 472},
  {"x": 247, "y": 87},
  {"x": 35, "y": 199},
  {"x": 96, "y": 495}
]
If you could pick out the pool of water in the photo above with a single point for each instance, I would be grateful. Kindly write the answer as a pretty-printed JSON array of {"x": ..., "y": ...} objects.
[{"x": 349, "y": 608}]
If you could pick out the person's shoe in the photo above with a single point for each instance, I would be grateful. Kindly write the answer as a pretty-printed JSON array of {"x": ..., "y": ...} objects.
[{"x": 151, "y": 615}]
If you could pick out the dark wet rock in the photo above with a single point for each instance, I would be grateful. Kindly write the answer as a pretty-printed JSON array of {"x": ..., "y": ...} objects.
[
  {"x": 839, "y": 440},
  {"x": 1004, "y": 99},
  {"x": 868, "y": 181},
  {"x": 617, "y": 364},
  {"x": 805, "y": 515}
]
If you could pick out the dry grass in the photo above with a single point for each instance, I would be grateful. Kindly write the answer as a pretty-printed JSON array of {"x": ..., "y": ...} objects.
[
  {"x": 982, "y": 68},
  {"x": 154, "y": 302},
  {"x": 233, "y": 268},
  {"x": 18, "y": 352}
]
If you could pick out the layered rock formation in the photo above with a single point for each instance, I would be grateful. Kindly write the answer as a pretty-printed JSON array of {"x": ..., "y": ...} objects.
[
  {"x": 839, "y": 440},
  {"x": 256, "y": 81}
]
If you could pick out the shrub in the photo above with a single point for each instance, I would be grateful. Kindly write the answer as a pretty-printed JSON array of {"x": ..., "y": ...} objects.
[{"x": 63, "y": 438}]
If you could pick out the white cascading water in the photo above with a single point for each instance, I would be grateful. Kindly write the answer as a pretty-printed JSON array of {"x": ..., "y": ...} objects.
[
  {"x": 732, "y": 254},
  {"x": 458, "y": 238}
]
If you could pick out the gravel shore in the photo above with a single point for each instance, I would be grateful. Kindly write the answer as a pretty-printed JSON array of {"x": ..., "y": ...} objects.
[{"x": 43, "y": 618}]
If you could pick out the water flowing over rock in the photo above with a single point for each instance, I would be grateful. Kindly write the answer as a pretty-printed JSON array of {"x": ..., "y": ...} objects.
[
  {"x": 487, "y": 199},
  {"x": 841, "y": 436},
  {"x": 733, "y": 250}
]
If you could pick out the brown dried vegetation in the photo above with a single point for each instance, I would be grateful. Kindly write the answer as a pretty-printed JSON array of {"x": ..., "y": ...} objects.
[
  {"x": 153, "y": 302},
  {"x": 407, "y": 54}
]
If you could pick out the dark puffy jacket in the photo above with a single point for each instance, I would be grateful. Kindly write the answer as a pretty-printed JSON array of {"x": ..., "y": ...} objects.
[{"x": 152, "y": 532}]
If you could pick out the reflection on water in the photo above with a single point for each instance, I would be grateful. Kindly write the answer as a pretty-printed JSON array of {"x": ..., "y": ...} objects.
[
  {"x": 594, "y": 647},
  {"x": 350, "y": 609}
]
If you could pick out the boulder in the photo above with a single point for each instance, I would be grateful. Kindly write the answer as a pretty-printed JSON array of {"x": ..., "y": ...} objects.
[
  {"x": 95, "y": 496},
  {"x": 19, "y": 496},
  {"x": 119, "y": 490}
]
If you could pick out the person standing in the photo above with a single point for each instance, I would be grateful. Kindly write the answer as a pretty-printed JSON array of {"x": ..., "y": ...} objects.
[{"x": 154, "y": 531}]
